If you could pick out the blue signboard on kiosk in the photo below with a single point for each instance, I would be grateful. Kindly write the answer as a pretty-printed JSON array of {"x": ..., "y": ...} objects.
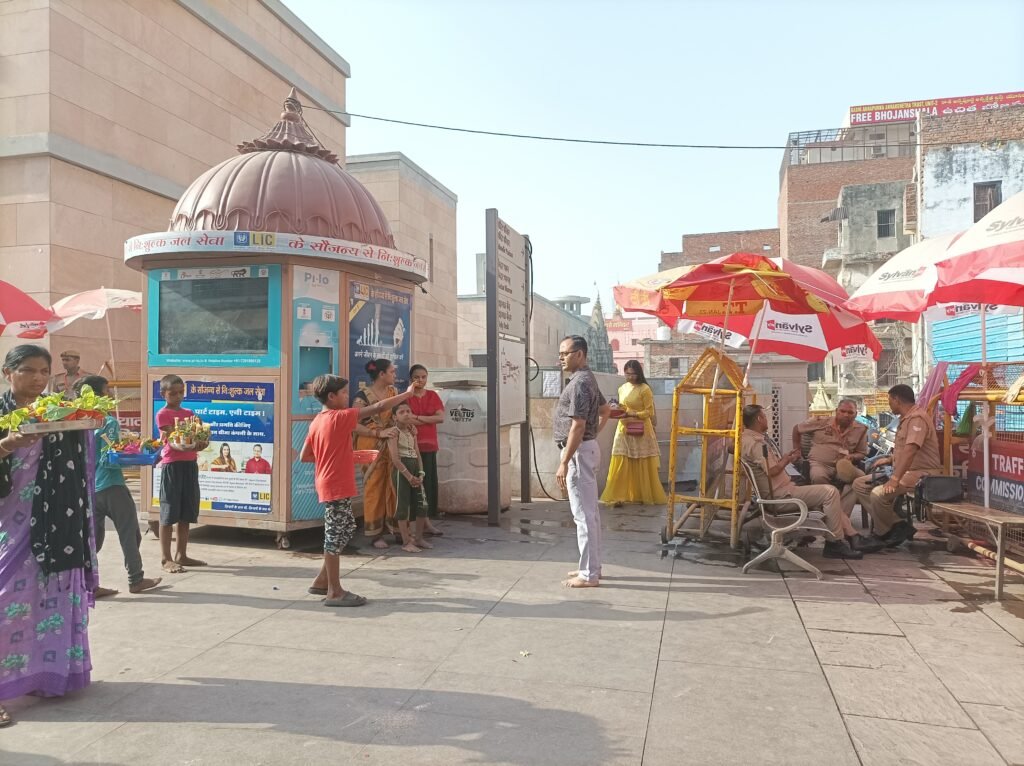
[{"x": 215, "y": 316}]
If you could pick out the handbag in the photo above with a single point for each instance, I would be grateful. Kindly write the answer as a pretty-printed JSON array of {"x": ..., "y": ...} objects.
[
  {"x": 940, "y": 489},
  {"x": 635, "y": 428}
]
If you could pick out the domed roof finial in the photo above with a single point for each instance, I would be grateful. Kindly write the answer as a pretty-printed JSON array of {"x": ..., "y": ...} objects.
[{"x": 290, "y": 134}]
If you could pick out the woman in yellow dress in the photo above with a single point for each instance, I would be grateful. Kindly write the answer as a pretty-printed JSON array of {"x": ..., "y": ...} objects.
[
  {"x": 380, "y": 499},
  {"x": 633, "y": 474}
]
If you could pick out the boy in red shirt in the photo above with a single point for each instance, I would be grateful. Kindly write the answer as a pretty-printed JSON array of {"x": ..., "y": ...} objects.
[
  {"x": 179, "y": 479},
  {"x": 329, "y": 446}
]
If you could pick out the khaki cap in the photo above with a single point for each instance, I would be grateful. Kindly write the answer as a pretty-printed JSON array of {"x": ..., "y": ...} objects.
[{"x": 70, "y": 354}]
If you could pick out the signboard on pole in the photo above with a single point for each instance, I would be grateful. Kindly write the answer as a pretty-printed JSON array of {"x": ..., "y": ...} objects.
[{"x": 508, "y": 346}]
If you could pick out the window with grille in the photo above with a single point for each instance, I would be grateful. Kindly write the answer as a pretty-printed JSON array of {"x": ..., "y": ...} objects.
[
  {"x": 815, "y": 371},
  {"x": 987, "y": 196},
  {"x": 675, "y": 365},
  {"x": 886, "y": 223},
  {"x": 887, "y": 368}
]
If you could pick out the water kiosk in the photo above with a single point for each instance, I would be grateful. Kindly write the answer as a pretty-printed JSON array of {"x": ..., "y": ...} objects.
[{"x": 278, "y": 266}]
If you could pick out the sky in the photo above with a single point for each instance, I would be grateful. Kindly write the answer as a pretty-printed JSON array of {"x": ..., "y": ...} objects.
[{"x": 722, "y": 72}]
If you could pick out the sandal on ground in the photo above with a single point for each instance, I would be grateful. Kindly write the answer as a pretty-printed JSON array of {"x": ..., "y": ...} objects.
[
  {"x": 100, "y": 592},
  {"x": 144, "y": 584},
  {"x": 576, "y": 582},
  {"x": 189, "y": 562},
  {"x": 434, "y": 533},
  {"x": 349, "y": 599},
  {"x": 172, "y": 567},
  {"x": 5, "y": 718},
  {"x": 315, "y": 591}
]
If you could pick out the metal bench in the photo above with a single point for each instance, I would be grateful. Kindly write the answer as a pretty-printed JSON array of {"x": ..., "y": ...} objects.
[
  {"x": 997, "y": 522},
  {"x": 782, "y": 523}
]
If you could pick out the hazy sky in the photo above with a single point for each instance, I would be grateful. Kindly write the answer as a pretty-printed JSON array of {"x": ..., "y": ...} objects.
[{"x": 725, "y": 72}]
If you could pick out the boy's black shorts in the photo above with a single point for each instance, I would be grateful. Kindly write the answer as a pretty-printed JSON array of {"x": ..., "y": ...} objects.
[{"x": 179, "y": 492}]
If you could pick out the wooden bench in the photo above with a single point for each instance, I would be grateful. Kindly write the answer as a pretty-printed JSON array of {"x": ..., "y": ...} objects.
[{"x": 997, "y": 522}]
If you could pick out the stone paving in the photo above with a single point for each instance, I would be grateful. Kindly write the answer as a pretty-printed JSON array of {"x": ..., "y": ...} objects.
[{"x": 472, "y": 653}]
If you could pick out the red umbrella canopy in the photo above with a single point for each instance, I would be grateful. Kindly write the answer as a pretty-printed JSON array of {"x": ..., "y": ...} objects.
[
  {"x": 737, "y": 285},
  {"x": 20, "y": 314},
  {"x": 741, "y": 283}
]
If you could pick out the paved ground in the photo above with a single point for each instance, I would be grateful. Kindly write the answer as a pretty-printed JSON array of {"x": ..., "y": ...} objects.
[{"x": 474, "y": 654}]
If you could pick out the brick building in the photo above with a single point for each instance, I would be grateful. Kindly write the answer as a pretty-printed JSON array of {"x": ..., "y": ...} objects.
[
  {"x": 700, "y": 248},
  {"x": 817, "y": 164}
]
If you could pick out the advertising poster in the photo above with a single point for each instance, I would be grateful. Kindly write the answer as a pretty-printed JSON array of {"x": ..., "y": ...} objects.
[
  {"x": 315, "y": 295},
  {"x": 1006, "y": 474},
  {"x": 379, "y": 328},
  {"x": 235, "y": 470}
]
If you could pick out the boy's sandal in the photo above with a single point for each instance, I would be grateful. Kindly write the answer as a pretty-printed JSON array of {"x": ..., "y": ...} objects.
[
  {"x": 314, "y": 591},
  {"x": 5, "y": 718},
  {"x": 349, "y": 599},
  {"x": 428, "y": 533}
]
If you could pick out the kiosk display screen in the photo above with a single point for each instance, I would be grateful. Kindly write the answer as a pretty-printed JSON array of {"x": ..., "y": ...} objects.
[
  {"x": 219, "y": 316},
  {"x": 214, "y": 316}
]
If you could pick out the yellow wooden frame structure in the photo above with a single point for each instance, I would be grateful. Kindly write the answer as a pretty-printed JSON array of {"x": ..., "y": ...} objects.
[{"x": 714, "y": 376}]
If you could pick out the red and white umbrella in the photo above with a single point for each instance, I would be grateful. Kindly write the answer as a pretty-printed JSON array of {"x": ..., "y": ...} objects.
[
  {"x": 990, "y": 252},
  {"x": 810, "y": 337},
  {"x": 21, "y": 315},
  {"x": 742, "y": 285},
  {"x": 92, "y": 304}
]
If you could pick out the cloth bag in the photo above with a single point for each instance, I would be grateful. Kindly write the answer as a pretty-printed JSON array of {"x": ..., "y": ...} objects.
[{"x": 635, "y": 428}]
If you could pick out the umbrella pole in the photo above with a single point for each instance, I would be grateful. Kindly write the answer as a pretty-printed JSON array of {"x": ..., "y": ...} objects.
[
  {"x": 113, "y": 365},
  {"x": 721, "y": 347},
  {"x": 988, "y": 407},
  {"x": 753, "y": 344}
]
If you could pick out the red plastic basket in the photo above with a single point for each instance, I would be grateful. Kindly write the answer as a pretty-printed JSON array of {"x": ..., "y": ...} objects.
[{"x": 364, "y": 456}]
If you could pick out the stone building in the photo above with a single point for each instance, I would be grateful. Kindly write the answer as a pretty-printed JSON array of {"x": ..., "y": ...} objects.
[
  {"x": 871, "y": 228},
  {"x": 550, "y": 321},
  {"x": 968, "y": 164},
  {"x": 599, "y": 354},
  {"x": 109, "y": 110},
  {"x": 422, "y": 213}
]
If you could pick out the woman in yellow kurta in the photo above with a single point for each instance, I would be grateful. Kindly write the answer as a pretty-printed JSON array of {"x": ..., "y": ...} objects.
[
  {"x": 379, "y": 498},
  {"x": 633, "y": 474}
]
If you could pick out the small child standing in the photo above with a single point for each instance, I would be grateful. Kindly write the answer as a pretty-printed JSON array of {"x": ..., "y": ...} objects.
[
  {"x": 114, "y": 501},
  {"x": 407, "y": 477},
  {"x": 329, "y": 446},
  {"x": 179, "y": 479}
]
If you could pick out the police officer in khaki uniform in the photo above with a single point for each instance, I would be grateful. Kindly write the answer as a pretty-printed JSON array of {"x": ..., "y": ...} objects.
[
  {"x": 916, "y": 454},
  {"x": 836, "y": 439},
  {"x": 64, "y": 382}
]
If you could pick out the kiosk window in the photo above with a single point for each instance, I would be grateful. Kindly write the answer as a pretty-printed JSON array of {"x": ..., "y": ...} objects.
[{"x": 214, "y": 316}]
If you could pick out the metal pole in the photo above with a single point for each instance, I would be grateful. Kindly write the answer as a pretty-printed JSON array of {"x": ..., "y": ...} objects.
[
  {"x": 989, "y": 409},
  {"x": 525, "y": 493},
  {"x": 493, "y": 399}
]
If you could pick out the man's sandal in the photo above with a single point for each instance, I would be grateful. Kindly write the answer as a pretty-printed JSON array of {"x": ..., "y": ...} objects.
[{"x": 5, "y": 718}]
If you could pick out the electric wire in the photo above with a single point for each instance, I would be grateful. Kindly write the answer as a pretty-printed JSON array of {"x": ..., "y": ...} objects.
[{"x": 638, "y": 144}]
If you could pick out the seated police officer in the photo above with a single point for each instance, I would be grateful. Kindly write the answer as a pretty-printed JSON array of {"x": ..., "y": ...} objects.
[
  {"x": 755, "y": 451},
  {"x": 838, "y": 444}
]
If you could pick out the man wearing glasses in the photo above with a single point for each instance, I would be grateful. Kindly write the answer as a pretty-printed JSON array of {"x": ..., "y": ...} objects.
[{"x": 579, "y": 417}]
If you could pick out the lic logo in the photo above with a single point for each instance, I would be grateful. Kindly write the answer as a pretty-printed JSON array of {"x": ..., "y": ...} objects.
[{"x": 241, "y": 239}]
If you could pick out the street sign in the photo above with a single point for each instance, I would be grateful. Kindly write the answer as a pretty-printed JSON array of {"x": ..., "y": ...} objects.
[{"x": 508, "y": 347}]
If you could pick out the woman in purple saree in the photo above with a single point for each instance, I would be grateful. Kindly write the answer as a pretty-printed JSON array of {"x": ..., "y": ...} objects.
[{"x": 47, "y": 554}]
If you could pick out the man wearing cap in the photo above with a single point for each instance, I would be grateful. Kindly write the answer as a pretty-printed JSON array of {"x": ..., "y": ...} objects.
[
  {"x": 837, "y": 445},
  {"x": 65, "y": 382}
]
